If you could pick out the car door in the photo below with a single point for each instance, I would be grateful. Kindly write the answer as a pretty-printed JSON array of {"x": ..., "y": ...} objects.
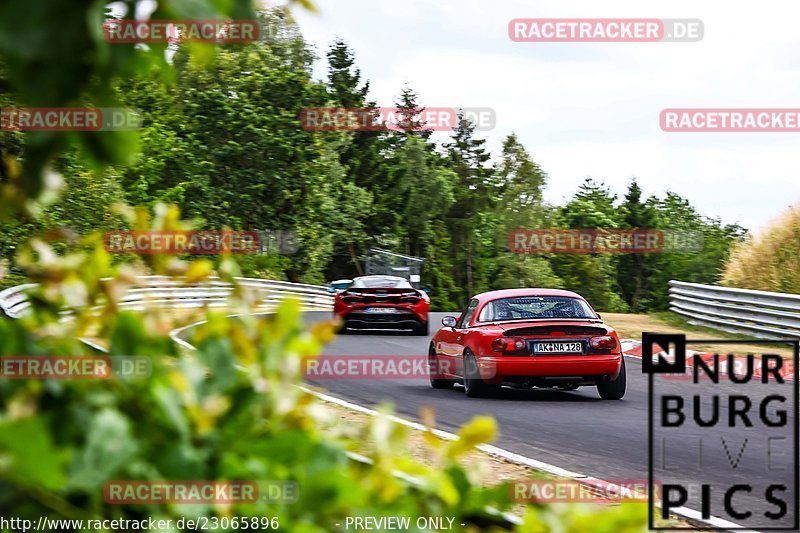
[{"x": 451, "y": 342}]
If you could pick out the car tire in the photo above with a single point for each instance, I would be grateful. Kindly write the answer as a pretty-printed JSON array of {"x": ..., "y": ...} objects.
[
  {"x": 474, "y": 386},
  {"x": 437, "y": 383},
  {"x": 614, "y": 390},
  {"x": 422, "y": 330}
]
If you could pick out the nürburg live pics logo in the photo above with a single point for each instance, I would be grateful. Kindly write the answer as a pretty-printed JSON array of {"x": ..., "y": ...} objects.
[{"x": 722, "y": 433}]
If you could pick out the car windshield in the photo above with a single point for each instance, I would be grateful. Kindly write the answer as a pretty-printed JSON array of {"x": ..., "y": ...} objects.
[
  {"x": 535, "y": 307},
  {"x": 381, "y": 282},
  {"x": 340, "y": 285}
]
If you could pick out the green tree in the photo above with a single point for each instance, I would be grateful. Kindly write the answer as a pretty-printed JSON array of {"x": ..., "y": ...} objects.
[
  {"x": 467, "y": 156},
  {"x": 702, "y": 247},
  {"x": 56, "y": 56},
  {"x": 520, "y": 206},
  {"x": 592, "y": 275},
  {"x": 344, "y": 79},
  {"x": 410, "y": 116},
  {"x": 634, "y": 270},
  {"x": 224, "y": 142},
  {"x": 361, "y": 157},
  {"x": 426, "y": 193}
]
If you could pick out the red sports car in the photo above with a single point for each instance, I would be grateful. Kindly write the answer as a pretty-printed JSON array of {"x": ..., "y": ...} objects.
[
  {"x": 379, "y": 302},
  {"x": 527, "y": 338}
]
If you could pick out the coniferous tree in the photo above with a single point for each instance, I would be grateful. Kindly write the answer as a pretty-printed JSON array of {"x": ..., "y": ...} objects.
[
  {"x": 633, "y": 270},
  {"x": 467, "y": 157}
]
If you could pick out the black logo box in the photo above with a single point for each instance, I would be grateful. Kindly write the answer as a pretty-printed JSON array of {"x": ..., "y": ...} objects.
[{"x": 678, "y": 365}]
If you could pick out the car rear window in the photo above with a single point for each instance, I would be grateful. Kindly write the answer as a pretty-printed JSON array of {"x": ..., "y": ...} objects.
[
  {"x": 381, "y": 283},
  {"x": 535, "y": 307}
]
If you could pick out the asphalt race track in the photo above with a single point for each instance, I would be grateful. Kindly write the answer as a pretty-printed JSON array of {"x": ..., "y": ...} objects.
[{"x": 580, "y": 432}]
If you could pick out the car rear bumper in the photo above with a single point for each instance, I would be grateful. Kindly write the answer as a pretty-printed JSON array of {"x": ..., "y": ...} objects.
[
  {"x": 586, "y": 367},
  {"x": 402, "y": 318}
]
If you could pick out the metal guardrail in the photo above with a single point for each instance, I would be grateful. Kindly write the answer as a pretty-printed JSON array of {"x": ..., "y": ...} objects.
[
  {"x": 758, "y": 313},
  {"x": 14, "y": 300},
  {"x": 165, "y": 292}
]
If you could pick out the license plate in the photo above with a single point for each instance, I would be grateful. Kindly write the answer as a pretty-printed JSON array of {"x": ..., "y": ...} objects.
[
  {"x": 558, "y": 347},
  {"x": 381, "y": 310}
]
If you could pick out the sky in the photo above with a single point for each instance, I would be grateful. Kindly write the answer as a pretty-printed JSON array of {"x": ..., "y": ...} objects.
[{"x": 592, "y": 109}]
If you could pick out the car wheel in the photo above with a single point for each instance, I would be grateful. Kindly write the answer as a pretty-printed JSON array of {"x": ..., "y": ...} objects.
[
  {"x": 614, "y": 390},
  {"x": 436, "y": 383},
  {"x": 422, "y": 329},
  {"x": 474, "y": 386}
]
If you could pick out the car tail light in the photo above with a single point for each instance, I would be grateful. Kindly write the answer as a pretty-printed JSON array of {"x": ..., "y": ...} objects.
[
  {"x": 606, "y": 342},
  {"x": 510, "y": 345},
  {"x": 349, "y": 297}
]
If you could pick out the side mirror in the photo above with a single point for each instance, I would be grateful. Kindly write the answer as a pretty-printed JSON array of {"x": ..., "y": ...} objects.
[{"x": 449, "y": 321}]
